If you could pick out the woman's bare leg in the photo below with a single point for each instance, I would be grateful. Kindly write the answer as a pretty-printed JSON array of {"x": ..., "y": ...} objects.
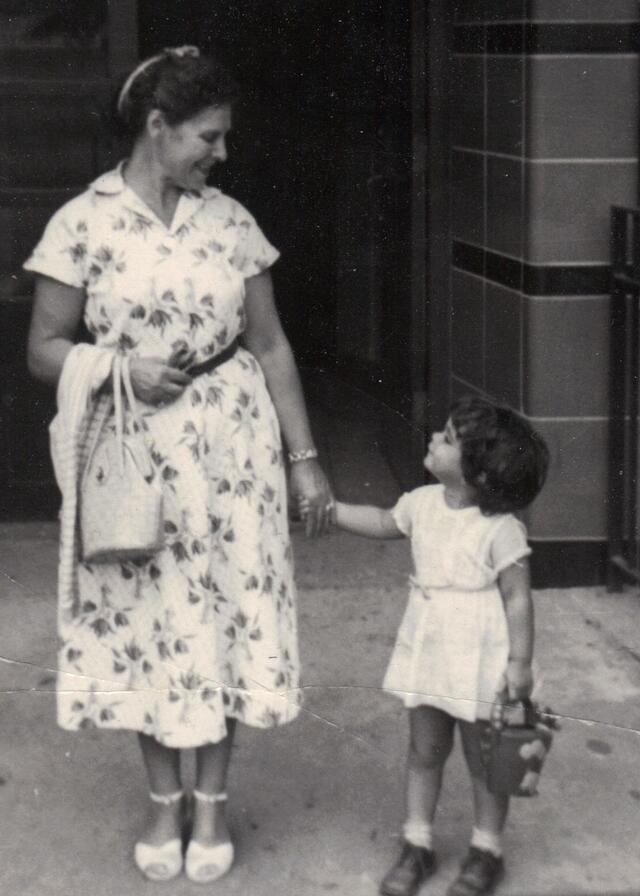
[
  {"x": 163, "y": 771},
  {"x": 212, "y": 765}
]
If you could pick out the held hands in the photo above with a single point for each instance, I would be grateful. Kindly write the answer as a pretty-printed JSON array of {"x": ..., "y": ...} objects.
[
  {"x": 311, "y": 493},
  {"x": 158, "y": 382}
]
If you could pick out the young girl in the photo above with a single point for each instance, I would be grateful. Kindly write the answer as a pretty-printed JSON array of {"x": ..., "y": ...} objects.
[{"x": 467, "y": 633}]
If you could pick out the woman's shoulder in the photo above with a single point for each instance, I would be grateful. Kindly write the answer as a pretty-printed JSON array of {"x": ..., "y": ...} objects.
[
  {"x": 220, "y": 202},
  {"x": 76, "y": 206},
  {"x": 104, "y": 187}
]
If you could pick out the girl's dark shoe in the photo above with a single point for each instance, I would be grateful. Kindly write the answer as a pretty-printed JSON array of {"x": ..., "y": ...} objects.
[
  {"x": 479, "y": 874},
  {"x": 408, "y": 874}
]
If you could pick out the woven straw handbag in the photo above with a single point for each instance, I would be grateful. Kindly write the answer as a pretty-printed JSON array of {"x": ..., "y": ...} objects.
[{"x": 120, "y": 497}]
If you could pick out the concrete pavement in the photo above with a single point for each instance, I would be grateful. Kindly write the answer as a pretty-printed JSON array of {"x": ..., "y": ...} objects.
[{"x": 315, "y": 806}]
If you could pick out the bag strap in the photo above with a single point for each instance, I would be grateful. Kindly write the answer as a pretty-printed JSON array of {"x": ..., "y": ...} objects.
[
  {"x": 117, "y": 410},
  {"x": 135, "y": 413},
  {"x": 121, "y": 379},
  {"x": 128, "y": 389},
  {"x": 502, "y": 705},
  {"x": 97, "y": 430}
]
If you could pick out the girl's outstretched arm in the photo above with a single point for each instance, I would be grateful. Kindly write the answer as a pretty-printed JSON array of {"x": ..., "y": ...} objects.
[
  {"x": 518, "y": 607},
  {"x": 363, "y": 519}
]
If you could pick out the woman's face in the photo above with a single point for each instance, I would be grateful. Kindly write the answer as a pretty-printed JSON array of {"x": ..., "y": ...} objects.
[{"x": 188, "y": 151}]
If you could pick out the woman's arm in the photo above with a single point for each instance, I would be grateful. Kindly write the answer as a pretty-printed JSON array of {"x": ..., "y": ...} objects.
[
  {"x": 56, "y": 315},
  {"x": 518, "y": 607},
  {"x": 363, "y": 519},
  {"x": 265, "y": 339},
  {"x": 57, "y": 311}
]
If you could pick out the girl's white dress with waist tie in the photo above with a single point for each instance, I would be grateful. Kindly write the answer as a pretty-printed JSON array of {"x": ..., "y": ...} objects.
[{"x": 452, "y": 645}]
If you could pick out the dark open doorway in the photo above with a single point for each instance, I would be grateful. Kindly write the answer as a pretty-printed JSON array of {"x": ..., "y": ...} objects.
[{"x": 323, "y": 157}]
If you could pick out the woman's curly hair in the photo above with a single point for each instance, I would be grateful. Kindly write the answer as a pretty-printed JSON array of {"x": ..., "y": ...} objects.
[
  {"x": 180, "y": 86},
  {"x": 503, "y": 458}
]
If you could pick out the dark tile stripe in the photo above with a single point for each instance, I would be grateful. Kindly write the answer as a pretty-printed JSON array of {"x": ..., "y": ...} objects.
[
  {"x": 623, "y": 37},
  {"x": 468, "y": 258},
  {"x": 489, "y": 10},
  {"x": 535, "y": 280},
  {"x": 469, "y": 39},
  {"x": 505, "y": 38},
  {"x": 568, "y": 564},
  {"x": 503, "y": 270},
  {"x": 567, "y": 280},
  {"x": 553, "y": 37}
]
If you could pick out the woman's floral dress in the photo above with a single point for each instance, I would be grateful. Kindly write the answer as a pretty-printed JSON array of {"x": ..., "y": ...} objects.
[{"x": 207, "y": 628}]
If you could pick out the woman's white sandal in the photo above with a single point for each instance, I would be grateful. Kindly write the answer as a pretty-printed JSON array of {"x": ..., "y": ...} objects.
[
  {"x": 204, "y": 864},
  {"x": 160, "y": 863}
]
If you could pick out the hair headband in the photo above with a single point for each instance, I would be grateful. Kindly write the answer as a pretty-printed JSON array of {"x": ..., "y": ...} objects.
[{"x": 187, "y": 50}]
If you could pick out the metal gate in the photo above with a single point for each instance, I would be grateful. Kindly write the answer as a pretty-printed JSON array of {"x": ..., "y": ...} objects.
[{"x": 623, "y": 534}]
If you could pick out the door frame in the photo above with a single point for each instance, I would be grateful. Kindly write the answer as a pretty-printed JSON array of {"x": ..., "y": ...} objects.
[{"x": 430, "y": 220}]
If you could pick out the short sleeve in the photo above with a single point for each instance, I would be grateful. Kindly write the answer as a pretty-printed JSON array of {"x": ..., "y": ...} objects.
[
  {"x": 62, "y": 251},
  {"x": 253, "y": 252},
  {"x": 509, "y": 544},
  {"x": 403, "y": 512}
]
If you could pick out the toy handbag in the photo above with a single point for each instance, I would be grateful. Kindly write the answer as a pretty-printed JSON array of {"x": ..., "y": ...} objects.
[
  {"x": 120, "y": 498},
  {"x": 514, "y": 746}
]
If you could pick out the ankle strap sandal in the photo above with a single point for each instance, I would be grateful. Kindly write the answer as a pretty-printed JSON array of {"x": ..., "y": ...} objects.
[
  {"x": 204, "y": 864},
  {"x": 164, "y": 862}
]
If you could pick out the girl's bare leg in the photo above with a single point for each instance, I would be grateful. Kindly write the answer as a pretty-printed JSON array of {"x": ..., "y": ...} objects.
[
  {"x": 490, "y": 809},
  {"x": 163, "y": 771},
  {"x": 212, "y": 764},
  {"x": 431, "y": 739}
]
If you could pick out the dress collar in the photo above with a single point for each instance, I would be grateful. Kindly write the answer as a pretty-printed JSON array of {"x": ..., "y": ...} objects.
[{"x": 112, "y": 183}]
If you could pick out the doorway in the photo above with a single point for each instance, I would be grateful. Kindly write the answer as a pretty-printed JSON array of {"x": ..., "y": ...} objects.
[{"x": 324, "y": 155}]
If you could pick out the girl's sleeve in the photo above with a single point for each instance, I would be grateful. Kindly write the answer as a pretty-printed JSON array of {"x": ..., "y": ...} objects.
[
  {"x": 62, "y": 250},
  {"x": 402, "y": 512},
  {"x": 509, "y": 544},
  {"x": 253, "y": 252}
]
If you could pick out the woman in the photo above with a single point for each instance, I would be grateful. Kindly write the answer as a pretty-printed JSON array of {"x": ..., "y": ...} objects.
[{"x": 172, "y": 273}]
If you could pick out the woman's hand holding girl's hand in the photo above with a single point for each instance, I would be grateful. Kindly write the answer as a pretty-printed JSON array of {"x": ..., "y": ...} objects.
[
  {"x": 312, "y": 493},
  {"x": 157, "y": 382},
  {"x": 519, "y": 679}
]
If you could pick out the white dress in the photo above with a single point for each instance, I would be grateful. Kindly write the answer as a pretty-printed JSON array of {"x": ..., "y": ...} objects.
[
  {"x": 207, "y": 628},
  {"x": 452, "y": 646}
]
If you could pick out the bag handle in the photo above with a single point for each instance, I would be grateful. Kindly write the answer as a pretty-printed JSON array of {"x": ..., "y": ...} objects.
[
  {"x": 122, "y": 379},
  {"x": 128, "y": 389},
  {"x": 98, "y": 429},
  {"x": 117, "y": 410},
  {"x": 504, "y": 709}
]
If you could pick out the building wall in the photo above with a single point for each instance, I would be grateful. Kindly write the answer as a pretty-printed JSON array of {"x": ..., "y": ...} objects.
[{"x": 545, "y": 139}]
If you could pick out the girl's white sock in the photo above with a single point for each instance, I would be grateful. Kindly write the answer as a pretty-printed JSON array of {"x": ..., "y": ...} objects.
[
  {"x": 487, "y": 840},
  {"x": 418, "y": 833}
]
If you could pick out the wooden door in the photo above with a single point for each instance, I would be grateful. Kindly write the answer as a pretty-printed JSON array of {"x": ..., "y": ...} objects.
[{"x": 58, "y": 63}]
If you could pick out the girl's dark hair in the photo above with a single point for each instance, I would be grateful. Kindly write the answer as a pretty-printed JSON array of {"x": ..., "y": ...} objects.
[
  {"x": 180, "y": 86},
  {"x": 503, "y": 458}
]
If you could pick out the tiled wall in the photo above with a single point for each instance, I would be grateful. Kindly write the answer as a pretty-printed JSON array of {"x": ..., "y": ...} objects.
[{"x": 545, "y": 138}]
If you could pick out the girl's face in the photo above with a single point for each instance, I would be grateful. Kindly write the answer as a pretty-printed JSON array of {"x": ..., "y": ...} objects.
[
  {"x": 188, "y": 151},
  {"x": 444, "y": 457}
]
